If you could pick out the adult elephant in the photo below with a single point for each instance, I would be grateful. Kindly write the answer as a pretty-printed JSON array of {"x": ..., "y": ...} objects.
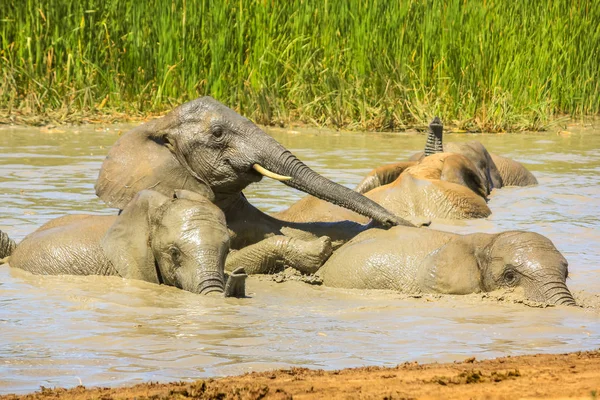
[
  {"x": 204, "y": 146},
  {"x": 181, "y": 242},
  {"x": 429, "y": 261},
  {"x": 443, "y": 185}
]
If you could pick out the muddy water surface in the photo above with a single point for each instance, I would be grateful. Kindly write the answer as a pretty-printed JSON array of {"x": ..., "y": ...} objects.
[{"x": 60, "y": 331}]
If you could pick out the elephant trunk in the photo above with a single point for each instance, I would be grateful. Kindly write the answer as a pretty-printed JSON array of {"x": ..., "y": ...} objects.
[
  {"x": 559, "y": 294},
  {"x": 236, "y": 283},
  {"x": 211, "y": 285},
  {"x": 296, "y": 174},
  {"x": 202, "y": 281},
  {"x": 7, "y": 246},
  {"x": 551, "y": 290},
  {"x": 434, "y": 137}
]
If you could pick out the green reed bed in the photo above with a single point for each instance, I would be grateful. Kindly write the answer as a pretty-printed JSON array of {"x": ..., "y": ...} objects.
[{"x": 379, "y": 64}]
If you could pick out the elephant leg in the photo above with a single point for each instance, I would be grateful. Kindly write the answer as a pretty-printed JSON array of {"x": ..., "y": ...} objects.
[{"x": 273, "y": 254}]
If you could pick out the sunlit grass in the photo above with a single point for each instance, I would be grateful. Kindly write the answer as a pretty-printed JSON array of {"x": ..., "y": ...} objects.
[{"x": 490, "y": 65}]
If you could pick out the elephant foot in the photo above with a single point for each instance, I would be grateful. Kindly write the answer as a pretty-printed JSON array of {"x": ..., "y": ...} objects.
[{"x": 307, "y": 256}]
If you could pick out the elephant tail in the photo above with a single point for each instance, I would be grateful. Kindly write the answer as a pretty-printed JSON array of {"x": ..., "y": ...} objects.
[{"x": 7, "y": 246}]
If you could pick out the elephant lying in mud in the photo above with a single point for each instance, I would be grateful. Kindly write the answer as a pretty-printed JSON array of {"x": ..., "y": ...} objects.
[
  {"x": 180, "y": 242},
  {"x": 203, "y": 146},
  {"x": 443, "y": 185},
  {"x": 427, "y": 261}
]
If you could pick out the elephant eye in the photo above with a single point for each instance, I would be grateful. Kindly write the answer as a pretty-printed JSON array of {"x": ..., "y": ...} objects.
[
  {"x": 509, "y": 277},
  {"x": 217, "y": 132},
  {"x": 175, "y": 254}
]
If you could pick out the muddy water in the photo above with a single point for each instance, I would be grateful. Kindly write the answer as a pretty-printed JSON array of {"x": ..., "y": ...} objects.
[{"x": 60, "y": 331}]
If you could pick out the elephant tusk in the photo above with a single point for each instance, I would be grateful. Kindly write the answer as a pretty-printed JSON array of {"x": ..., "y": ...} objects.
[{"x": 263, "y": 171}]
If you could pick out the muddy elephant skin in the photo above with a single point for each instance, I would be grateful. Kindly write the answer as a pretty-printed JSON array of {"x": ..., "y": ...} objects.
[
  {"x": 429, "y": 261},
  {"x": 179, "y": 241}
]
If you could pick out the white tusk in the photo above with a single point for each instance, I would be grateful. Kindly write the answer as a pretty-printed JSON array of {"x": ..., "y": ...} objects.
[{"x": 269, "y": 174}]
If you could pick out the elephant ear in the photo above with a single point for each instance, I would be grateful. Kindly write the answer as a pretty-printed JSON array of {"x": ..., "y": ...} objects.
[
  {"x": 451, "y": 269},
  {"x": 141, "y": 160},
  {"x": 458, "y": 169},
  {"x": 127, "y": 242}
]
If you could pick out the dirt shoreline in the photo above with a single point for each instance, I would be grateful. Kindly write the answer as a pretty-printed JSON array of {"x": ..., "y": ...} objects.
[{"x": 548, "y": 376}]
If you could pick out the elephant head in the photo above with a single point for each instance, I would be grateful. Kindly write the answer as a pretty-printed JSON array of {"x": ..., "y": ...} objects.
[
  {"x": 180, "y": 241},
  {"x": 204, "y": 144},
  {"x": 482, "y": 160},
  {"x": 486, "y": 262}
]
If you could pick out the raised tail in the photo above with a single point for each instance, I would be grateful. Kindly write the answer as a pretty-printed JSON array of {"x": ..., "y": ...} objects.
[{"x": 7, "y": 246}]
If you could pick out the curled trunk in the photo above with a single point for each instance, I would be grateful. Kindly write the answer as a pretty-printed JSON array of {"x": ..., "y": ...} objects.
[{"x": 236, "y": 283}]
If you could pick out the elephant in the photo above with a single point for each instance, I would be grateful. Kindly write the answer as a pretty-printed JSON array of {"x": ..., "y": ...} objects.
[
  {"x": 442, "y": 185},
  {"x": 179, "y": 241},
  {"x": 497, "y": 170},
  {"x": 428, "y": 261},
  {"x": 202, "y": 145}
]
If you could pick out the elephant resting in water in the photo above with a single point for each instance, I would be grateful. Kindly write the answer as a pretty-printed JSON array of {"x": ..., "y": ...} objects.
[
  {"x": 427, "y": 261},
  {"x": 496, "y": 171},
  {"x": 445, "y": 181},
  {"x": 180, "y": 242}
]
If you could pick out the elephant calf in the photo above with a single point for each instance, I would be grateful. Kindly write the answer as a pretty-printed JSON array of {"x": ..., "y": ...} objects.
[
  {"x": 181, "y": 242},
  {"x": 427, "y": 261}
]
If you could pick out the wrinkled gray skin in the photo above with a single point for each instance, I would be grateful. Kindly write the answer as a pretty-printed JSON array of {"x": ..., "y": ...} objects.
[
  {"x": 204, "y": 146},
  {"x": 180, "y": 242},
  {"x": 428, "y": 261}
]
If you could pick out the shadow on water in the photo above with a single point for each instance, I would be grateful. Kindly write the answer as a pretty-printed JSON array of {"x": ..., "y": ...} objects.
[{"x": 57, "y": 331}]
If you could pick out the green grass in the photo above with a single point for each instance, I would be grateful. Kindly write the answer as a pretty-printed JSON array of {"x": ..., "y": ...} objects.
[{"x": 483, "y": 65}]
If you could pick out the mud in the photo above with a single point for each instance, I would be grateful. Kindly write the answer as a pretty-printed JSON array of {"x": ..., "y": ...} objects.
[
  {"x": 100, "y": 331},
  {"x": 574, "y": 375}
]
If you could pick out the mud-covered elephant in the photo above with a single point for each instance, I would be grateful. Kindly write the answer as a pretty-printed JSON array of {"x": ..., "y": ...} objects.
[
  {"x": 429, "y": 261},
  {"x": 443, "y": 185},
  {"x": 204, "y": 146},
  {"x": 179, "y": 241},
  {"x": 496, "y": 171}
]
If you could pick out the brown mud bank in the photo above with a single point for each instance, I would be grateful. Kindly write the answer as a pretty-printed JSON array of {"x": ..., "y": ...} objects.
[{"x": 572, "y": 375}]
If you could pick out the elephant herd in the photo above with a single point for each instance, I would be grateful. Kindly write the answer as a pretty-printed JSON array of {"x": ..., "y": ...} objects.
[{"x": 184, "y": 221}]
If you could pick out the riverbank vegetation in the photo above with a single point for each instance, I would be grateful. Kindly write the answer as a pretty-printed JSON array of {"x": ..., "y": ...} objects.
[{"x": 379, "y": 64}]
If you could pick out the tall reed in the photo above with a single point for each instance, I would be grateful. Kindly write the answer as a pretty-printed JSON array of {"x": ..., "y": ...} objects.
[{"x": 378, "y": 64}]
